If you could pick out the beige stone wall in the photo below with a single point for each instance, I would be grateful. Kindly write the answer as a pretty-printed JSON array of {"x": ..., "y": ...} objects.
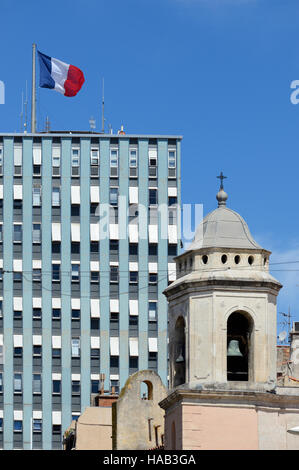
[
  {"x": 213, "y": 427},
  {"x": 94, "y": 429},
  {"x": 274, "y": 429},
  {"x": 134, "y": 418}
]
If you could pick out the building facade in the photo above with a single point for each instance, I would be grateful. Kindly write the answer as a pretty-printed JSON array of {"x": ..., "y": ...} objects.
[{"x": 89, "y": 229}]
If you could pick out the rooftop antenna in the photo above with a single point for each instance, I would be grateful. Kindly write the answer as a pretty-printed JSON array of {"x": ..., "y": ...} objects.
[
  {"x": 92, "y": 123},
  {"x": 22, "y": 114},
  {"x": 103, "y": 108},
  {"x": 47, "y": 125},
  {"x": 287, "y": 321},
  {"x": 33, "y": 93},
  {"x": 26, "y": 107}
]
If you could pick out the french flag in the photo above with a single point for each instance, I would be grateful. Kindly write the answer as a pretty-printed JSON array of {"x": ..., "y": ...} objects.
[{"x": 62, "y": 77}]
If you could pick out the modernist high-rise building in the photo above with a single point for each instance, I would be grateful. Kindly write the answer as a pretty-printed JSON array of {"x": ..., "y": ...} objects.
[{"x": 88, "y": 232}]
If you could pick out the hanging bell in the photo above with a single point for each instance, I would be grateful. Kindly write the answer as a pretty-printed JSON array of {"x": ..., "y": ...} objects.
[
  {"x": 180, "y": 358},
  {"x": 233, "y": 348}
]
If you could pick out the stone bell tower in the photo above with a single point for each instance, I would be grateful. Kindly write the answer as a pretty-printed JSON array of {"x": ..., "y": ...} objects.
[{"x": 222, "y": 308}]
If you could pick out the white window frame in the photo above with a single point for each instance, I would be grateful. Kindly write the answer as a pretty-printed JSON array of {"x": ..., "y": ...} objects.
[
  {"x": 75, "y": 347},
  {"x": 55, "y": 201},
  {"x": 36, "y": 192},
  {"x": 133, "y": 149},
  {"x": 174, "y": 159},
  {"x": 75, "y": 160},
  {"x": 94, "y": 160}
]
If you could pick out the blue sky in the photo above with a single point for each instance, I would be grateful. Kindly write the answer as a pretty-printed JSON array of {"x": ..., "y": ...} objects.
[{"x": 217, "y": 72}]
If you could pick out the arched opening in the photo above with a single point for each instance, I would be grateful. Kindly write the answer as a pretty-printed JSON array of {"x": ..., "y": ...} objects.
[
  {"x": 173, "y": 436},
  {"x": 146, "y": 390},
  {"x": 239, "y": 347},
  {"x": 179, "y": 353}
]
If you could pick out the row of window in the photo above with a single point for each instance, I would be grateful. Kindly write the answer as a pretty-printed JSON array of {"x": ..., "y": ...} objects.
[
  {"x": 113, "y": 198},
  {"x": 94, "y": 160},
  {"x": 76, "y": 313}
]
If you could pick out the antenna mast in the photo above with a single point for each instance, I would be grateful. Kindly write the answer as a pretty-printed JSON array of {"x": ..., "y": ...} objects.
[
  {"x": 22, "y": 113},
  {"x": 33, "y": 96},
  {"x": 25, "y": 107},
  {"x": 103, "y": 105}
]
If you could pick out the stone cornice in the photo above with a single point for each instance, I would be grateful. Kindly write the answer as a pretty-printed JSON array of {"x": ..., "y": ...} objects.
[
  {"x": 234, "y": 285},
  {"x": 230, "y": 397}
]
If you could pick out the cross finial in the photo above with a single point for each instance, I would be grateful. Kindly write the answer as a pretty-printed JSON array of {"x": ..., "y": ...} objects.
[{"x": 221, "y": 177}]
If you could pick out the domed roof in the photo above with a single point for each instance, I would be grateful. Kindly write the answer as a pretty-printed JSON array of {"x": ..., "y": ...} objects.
[{"x": 223, "y": 228}]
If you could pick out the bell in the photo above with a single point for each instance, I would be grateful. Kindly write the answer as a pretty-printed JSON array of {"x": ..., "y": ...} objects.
[
  {"x": 180, "y": 358},
  {"x": 233, "y": 348}
]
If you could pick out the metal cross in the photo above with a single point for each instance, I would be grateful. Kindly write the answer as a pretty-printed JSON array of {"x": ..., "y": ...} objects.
[{"x": 221, "y": 177}]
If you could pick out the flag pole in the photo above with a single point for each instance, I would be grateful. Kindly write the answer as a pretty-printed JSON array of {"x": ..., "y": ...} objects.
[
  {"x": 33, "y": 94},
  {"x": 103, "y": 104}
]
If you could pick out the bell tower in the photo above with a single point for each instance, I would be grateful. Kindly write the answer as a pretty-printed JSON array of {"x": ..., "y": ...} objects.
[{"x": 222, "y": 308}]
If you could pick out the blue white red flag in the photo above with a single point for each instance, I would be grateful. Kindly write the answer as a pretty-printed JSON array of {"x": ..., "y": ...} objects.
[{"x": 64, "y": 78}]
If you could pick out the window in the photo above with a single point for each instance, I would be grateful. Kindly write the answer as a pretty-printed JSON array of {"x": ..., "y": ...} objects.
[
  {"x": 55, "y": 272},
  {"x": 37, "y": 425},
  {"x": 37, "y": 350},
  {"x": 113, "y": 162},
  {"x": 1, "y": 232},
  {"x": 1, "y": 158},
  {"x": 75, "y": 272},
  {"x": 56, "y": 429},
  {"x": 75, "y": 387},
  {"x": 113, "y": 245},
  {"x": 56, "y": 353},
  {"x": 113, "y": 196},
  {"x": 36, "y": 233},
  {"x": 94, "y": 156},
  {"x": 133, "y": 249},
  {"x": 153, "y": 197},
  {"x": 55, "y": 197},
  {"x": 17, "y": 233},
  {"x": 18, "y": 160},
  {"x": 36, "y": 195},
  {"x": 55, "y": 159},
  {"x": 75, "y": 157},
  {"x": 37, "y": 313},
  {"x": 37, "y": 383},
  {"x": 18, "y": 352},
  {"x": 153, "y": 249},
  {"x": 1, "y": 305},
  {"x": 75, "y": 314},
  {"x": 95, "y": 353},
  {"x": 75, "y": 247},
  {"x": 56, "y": 313},
  {"x": 95, "y": 385},
  {"x": 75, "y": 347},
  {"x": 172, "y": 200},
  {"x": 75, "y": 161},
  {"x": 17, "y": 276},
  {"x": 18, "y": 426},
  {"x": 113, "y": 273},
  {"x": 94, "y": 276},
  {"x": 153, "y": 277},
  {"x": 152, "y": 311},
  {"x": 133, "y": 158},
  {"x": 18, "y": 383},
  {"x": 75, "y": 210},
  {"x": 36, "y": 275},
  {"x": 17, "y": 314},
  {"x": 94, "y": 208},
  {"x": 115, "y": 385},
  {"x": 133, "y": 277},
  {"x": 56, "y": 247},
  {"x": 171, "y": 159},
  {"x": 1, "y": 383},
  {"x": 94, "y": 247},
  {"x": 56, "y": 387},
  {"x": 152, "y": 155}
]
